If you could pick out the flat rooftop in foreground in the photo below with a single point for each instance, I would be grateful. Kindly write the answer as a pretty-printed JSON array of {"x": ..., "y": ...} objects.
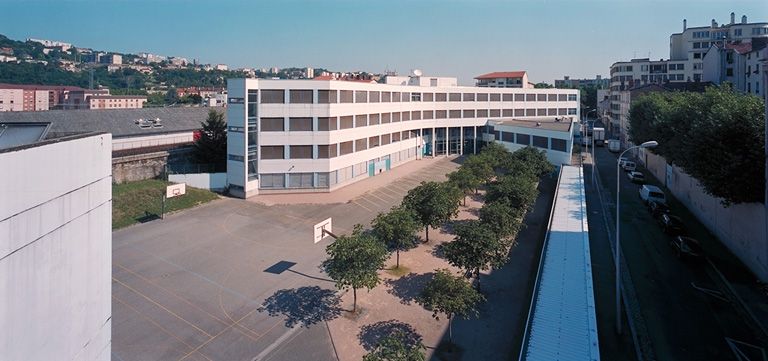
[
  {"x": 561, "y": 321},
  {"x": 560, "y": 124}
]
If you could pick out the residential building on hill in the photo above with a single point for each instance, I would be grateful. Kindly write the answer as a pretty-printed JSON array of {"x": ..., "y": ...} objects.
[
  {"x": 504, "y": 79},
  {"x": 320, "y": 135}
]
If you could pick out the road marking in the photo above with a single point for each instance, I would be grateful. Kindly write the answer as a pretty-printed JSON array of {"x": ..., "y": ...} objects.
[
  {"x": 362, "y": 206},
  {"x": 156, "y": 324},
  {"x": 161, "y": 306},
  {"x": 265, "y": 352}
]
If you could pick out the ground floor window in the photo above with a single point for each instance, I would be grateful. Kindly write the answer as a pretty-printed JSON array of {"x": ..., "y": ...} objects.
[
  {"x": 272, "y": 181},
  {"x": 300, "y": 180}
]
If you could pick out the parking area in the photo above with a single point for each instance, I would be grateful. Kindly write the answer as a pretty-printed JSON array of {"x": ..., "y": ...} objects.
[
  {"x": 193, "y": 286},
  {"x": 680, "y": 309}
]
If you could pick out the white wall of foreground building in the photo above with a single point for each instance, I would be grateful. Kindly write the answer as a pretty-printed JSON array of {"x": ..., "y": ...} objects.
[
  {"x": 423, "y": 113},
  {"x": 56, "y": 250}
]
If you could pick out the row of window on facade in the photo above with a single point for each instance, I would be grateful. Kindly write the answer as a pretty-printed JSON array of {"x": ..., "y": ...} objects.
[
  {"x": 329, "y": 179},
  {"x": 306, "y": 124},
  {"x": 560, "y": 145},
  {"x": 719, "y": 34},
  {"x": 326, "y": 151},
  {"x": 306, "y": 96}
]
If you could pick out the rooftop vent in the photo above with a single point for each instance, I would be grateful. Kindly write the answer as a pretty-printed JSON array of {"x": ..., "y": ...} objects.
[{"x": 148, "y": 123}]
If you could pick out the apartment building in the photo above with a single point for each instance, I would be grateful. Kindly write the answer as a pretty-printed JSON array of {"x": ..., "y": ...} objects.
[
  {"x": 598, "y": 81},
  {"x": 504, "y": 79},
  {"x": 116, "y": 101},
  {"x": 24, "y": 98},
  {"x": 736, "y": 63},
  {"x": 320, "y": 135}
]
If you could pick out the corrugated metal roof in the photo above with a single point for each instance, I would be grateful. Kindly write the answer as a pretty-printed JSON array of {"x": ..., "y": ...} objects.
[
  {"x": 561, "y": 321},
  {"x": 119, "y": 122}
]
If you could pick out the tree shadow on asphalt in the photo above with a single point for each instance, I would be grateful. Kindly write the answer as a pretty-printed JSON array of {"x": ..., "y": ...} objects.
[
  {"x": 408, "y": 287},
  {"x": 450, "y": 226},
  {"x": 371, "y": 335},
  {"x": 303, "y": 306}
]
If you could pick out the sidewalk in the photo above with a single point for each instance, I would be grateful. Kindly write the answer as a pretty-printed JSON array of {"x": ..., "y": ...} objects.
[{"x": 354, "y": 190}]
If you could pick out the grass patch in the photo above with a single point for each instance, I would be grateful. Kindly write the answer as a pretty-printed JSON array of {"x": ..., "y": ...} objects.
[
  {"x": 141, "y": 201},
  {"x": 399, "y": 271}
]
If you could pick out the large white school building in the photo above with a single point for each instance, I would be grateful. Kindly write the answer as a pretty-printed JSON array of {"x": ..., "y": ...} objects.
[{"x": 319, "y": 135}]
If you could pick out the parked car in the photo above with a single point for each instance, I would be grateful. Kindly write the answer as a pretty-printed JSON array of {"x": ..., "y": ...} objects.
[
  {"x": 636, "y": 177},
  {"x": 686, "y": 247},
  {"x": 652, "y": 193},
  {"x": 629, "y": 166},
  {"x": 623, "y": 160},
  {"x": 672, "y": 225},
  {"x": 657, "y": 209}
]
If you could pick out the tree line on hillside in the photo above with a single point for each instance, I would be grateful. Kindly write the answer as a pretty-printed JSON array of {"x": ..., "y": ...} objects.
[
  {"x": 510, "y": 182},
  {"x": 717, "y": 137}
]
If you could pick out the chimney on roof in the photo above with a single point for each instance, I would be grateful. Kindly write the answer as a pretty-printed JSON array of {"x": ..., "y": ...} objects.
[
  {"x": 733, "y": 18},
  {"x": 714, "y": 23},
  {"x": 743, "y": 19},
  {"x": 685, "y": 25}
]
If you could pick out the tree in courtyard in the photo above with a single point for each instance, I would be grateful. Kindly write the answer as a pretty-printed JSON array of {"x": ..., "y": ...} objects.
[
  {"x": 397, "y": 347},
  {"x": 479, "y": 167},
  {"x": 475, "y": 248},
  {"x": 171, "y": 96},
  {"x": 354, "y": 261},
  {"x": 533, "y": 158},
  {"x": 496, "y": 155},
  {"x": 502, "y": 219},
  {"x": 211, "y": 146},
  {"x": 397, "y": 229},
  {"x": 519, "y": 192},
  {"x": 451, "y": 296},
  {"x": 464, "y": 180},
  {"x": 433, "y": 203}
]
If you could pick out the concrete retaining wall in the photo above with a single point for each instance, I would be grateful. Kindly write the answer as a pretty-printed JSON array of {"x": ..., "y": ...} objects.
[
  {"x": 138, "y": 167},
  {"x": 741, "y": 227}
]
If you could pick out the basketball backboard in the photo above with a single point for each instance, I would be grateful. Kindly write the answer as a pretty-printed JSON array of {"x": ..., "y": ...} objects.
[{"x": 326, "y": 225}]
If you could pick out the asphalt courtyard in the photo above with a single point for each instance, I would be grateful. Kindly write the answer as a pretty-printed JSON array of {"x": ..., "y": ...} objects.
[{"x": 199, "y": 285}]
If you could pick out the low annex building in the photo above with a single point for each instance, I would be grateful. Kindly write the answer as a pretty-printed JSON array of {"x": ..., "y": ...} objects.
[{"x": 320, "y": 135}]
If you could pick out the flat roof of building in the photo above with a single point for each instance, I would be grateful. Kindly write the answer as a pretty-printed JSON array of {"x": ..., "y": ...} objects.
[
  {"x": 119, "y": 122},
  {"x": 561, "y": 320},
  {"x": 559, "y": 124}
]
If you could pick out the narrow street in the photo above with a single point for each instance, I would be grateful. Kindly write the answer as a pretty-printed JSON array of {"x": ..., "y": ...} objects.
[{"x": 672, "y": 320}]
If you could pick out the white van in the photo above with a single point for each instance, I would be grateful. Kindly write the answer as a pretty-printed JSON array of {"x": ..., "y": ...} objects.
[{"x": 652, "y": 193}]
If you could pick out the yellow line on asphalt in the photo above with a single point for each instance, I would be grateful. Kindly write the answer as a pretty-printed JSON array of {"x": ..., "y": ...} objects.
[{"x": 161, "y": 306}]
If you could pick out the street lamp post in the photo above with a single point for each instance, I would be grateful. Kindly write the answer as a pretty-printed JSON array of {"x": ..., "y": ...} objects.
[
  {"x": 592, "y": 139},
  {"x": 648, "y": 144}
]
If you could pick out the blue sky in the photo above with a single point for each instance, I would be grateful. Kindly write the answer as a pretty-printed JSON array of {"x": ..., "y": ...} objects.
[{"x": 549, "y": 39}]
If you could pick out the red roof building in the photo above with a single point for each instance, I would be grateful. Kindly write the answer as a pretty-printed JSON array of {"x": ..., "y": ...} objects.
[{"x": 504, "y": 79}]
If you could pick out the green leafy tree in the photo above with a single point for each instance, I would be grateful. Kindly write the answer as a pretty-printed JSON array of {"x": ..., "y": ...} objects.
[
  {"x": 354, "y": 260},
  {"x": 716, "y": 137},
  {"x": 464, "y": 180},
  {"x": 496, "y": 155},
  {"x": 502, "y": 219},
  {"x": 475, "y": 248},
  {"x": 397, "y": 229},
  {"x": 433, "y": 203},
  {"x": 534, "y": 159},
  {"x": 451, "y": 296},
  {"x": 397, "y": 347},
  {"x": 211, "y": 146},
  {"x": 171, "y": 96},
  {"x": 479, "y": 167},
  {"x": 543, "y": 86},
  {"x": 517, "y": 191}
]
